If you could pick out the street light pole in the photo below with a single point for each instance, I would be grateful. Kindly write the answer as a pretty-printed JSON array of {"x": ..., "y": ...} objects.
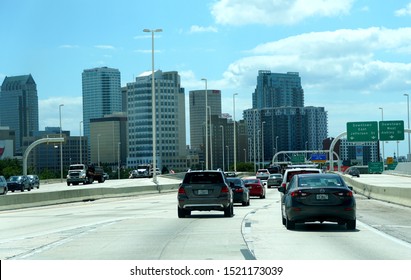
[
  {"x": 222, "y": 144},
  {"x": 81, "y": 155},
  {"x": 61, "y": 147},
  {"x": 262, "y": 141},
  {"x": 153, "y": 104},
  {"x": 118, "y": 158},
  {"x": 235, "y": 135},
  {"x": 211, "y": 138},
  {"x": 408, "y": 115},
  {"x": 382, "y": 118},
  {"x": 98, "y": 149},
  {"x": 206, "y": 127}
]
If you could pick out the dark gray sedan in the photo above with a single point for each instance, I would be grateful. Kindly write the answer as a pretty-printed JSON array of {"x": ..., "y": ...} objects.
[
  {"x": 274, "y": 180},
  {"x": 318, "y": 198},
  {"x": 241, "y": 194}
]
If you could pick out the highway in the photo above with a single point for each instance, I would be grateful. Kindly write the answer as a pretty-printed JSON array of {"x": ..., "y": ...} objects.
[{"x": 146, "y": 227}]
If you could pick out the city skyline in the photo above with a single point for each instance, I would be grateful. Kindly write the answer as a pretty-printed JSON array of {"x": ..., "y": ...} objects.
[{"x": 352, "y": 56}]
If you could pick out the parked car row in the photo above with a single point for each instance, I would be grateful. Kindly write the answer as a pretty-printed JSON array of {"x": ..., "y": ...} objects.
[{"x": 19, "y": 183}]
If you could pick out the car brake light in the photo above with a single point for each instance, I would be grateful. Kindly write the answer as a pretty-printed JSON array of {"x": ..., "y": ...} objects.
[
  {"x": 239, "y": 190},
  {"x": 181, "y": 190},
  {"x": 299, "y": 194},
  {"x": 343, "y": 194},
  {"x": 224, "y": 189}
]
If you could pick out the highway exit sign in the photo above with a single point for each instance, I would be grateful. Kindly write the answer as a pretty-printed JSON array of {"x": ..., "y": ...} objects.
[
  {"x": 391, "y": 130},
  {"x": 362, "y": 131}
]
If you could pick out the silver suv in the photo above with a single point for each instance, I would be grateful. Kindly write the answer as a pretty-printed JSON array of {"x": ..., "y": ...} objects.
[{"x": 204, "y": 191}]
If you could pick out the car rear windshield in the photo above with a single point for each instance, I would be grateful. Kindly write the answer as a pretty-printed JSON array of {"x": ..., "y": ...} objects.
[
  {"x": 251, "y": 181},
  {"x": 292, "y": 173},
  {"x": 320, "y": 182},
  {"x": 203, "y": 178}
]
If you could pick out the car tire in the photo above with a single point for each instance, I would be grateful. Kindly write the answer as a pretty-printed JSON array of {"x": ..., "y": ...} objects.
[
  {"x": 351, "y": 224},
  {"x": 181, "y": 212},
  {"x": 229, "y": 211},
  {"x": 283, "y": 220},
  {"x": 290, "y": 225}
]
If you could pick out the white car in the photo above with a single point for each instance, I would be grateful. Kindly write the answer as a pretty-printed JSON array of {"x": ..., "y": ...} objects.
[{"x": 289, "y": 173}]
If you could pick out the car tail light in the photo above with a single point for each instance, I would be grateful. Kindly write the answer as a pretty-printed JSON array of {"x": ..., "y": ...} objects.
[
  {"x": 344, "y": 194},
  {"x": 181, "y": 190},
  {"x": 299, "y": 194},
  {"x": 283, "y": 185},
  {"x": 224, "y": 189},
  {"x": 239, "y": 190}
]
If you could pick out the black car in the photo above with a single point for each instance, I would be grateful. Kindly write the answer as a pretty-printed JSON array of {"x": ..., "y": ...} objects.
[
  {"x": 318, "y": 198},
  {"x": 3, "y": 185},
  {"x": 241, "y": 194},
  {"x": 19, "y": 183},
  {"x": 34, "y": 181}
]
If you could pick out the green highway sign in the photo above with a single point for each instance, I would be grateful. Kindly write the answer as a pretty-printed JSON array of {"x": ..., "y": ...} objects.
[
  {"x": 391, "y": 130},
  {"x": 297, "y": 158},
  {"x": 362, "y": 131},
  {"x": 375, "y": 167}
]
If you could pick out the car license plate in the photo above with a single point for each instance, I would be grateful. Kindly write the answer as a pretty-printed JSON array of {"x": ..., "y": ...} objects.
[
  {"x": 322, "y": 196},
  {"x": 202, "y": 192}
]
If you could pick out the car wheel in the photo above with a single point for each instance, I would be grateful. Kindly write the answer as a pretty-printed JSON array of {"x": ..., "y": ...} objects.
[
  {"x": 181, "y": 212},
  {"x": 68, "y": 184},
  {"x": 229, "y": 211},
  {"x": 351, "y": 224},
  {"x": 289, "y": 224}
]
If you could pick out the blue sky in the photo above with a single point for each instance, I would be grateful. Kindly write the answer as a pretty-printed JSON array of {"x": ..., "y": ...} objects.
[{"x": 353, "y": 56}]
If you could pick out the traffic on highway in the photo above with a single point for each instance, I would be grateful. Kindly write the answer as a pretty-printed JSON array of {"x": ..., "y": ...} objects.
[{"x": 146, "y": 227}]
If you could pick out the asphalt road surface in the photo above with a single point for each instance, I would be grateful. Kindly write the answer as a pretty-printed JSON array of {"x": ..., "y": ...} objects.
[{"x": 146, "y": 227}]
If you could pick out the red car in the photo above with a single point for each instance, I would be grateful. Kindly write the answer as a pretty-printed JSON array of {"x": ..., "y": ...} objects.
[{"x": 255, "y": 186}]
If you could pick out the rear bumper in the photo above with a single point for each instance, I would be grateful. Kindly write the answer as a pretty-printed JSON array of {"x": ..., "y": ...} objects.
[{"x": 315, "y": 214}]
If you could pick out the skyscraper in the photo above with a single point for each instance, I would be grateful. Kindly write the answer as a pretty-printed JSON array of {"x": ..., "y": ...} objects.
[
  {"x": 279, "y": 121},
  {"x": 20, "y": 109},
  {"x": 170, "y": 121},
  {"x": 101, "y": 94},
  {"x": 197, "y": 114}
]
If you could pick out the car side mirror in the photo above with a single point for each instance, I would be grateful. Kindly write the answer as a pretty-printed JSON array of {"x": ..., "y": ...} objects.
[
  {"x": 351, "y": 188},
  {"x": 281, "y": 189}
]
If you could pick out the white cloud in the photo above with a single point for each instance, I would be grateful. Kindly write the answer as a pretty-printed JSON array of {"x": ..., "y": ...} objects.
[
  {"x": 339, "y": 60},
  {"x": 67, "y": 46},
  {"x": 276, "y": 12},
  {"x": 105, "y": 47},
  {"x": 404, "y": 11},
  {"x": 71, "y": 113},
  {"x": 202, "y": 29}
]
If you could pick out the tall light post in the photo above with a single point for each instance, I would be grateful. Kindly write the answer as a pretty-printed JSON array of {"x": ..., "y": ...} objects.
[
  {"x": 206, "y": 127},
  {"x": 98, "y": 149},
  {"x": 262, "y": 141},
  {"x": 153, "y": 103},
  {"x": 81, "y": 155},
  {"x": 382, "y": 118},
  {"x": 61, "y": 146},
  {"x": 408, "y": 115},
  {"x": 228, "y": 158},
  {"x": 222, "y": 144},
  {"x": 276, "y": 144},
  {"x": 118, "y": 158},
  {"x": 235, "y": 135},
  {"x": 211, "y": 138}
]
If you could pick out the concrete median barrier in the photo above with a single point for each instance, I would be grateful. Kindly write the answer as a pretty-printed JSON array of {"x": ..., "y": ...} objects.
[
  {"x": 35, "y": 199},
  {"x": 387, "y": 188}
]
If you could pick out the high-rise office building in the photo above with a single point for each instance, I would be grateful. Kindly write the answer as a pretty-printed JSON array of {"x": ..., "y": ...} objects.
[
  {"x": 278, "y": 90},
  {"x": 279, "y": 121},
  {"x": 170, "y": 121},
  {"x": 20, "y": 109},
  {"x": 197, "y": 109},
  {"x": 101, "y": 94}
]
